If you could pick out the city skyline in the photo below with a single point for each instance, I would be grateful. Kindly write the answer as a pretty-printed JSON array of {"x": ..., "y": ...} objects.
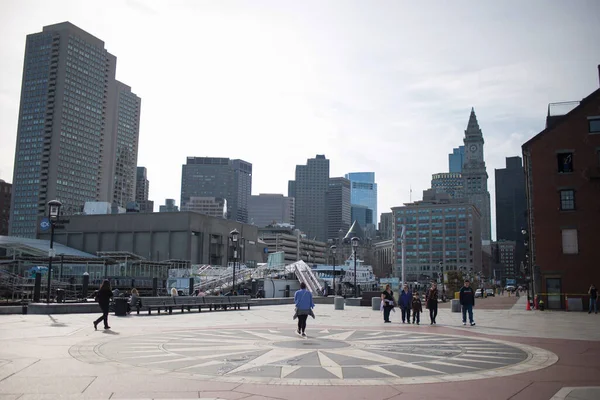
[{"x": 340, "y": 97}]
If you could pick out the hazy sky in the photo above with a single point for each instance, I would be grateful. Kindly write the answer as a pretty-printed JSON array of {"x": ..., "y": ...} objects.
[{"x": 383, "y": 86}]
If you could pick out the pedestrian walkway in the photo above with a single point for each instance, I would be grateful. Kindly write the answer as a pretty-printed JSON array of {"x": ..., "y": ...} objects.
[{"x": 349, "y": 354}]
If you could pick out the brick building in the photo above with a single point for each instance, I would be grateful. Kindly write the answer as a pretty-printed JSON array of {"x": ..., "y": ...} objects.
[{"x": 562, "y": 172}]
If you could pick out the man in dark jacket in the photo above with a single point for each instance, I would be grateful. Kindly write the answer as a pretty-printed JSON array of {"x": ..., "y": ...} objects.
[
  {"x": 467, "y": 301},
  {"x": 405, "y": 303}
]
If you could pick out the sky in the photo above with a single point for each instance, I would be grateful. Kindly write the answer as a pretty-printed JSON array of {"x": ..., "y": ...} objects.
[{"x": 383, "y": 86}]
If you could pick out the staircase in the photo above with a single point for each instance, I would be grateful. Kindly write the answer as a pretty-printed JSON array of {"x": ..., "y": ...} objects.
[{"x": 305, "y": 275}]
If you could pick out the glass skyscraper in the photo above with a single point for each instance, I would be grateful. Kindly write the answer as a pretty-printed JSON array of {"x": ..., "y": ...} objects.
[
  {"x": 71, "y": 125},
  {"x": 363, "y": 191},
  {"x": 456, "y": 159}
]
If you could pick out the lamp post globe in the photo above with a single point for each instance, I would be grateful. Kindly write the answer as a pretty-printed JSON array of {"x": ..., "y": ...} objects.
[
  {"x": 355, "y": 241},
  {"x": 234, "y": 234}
]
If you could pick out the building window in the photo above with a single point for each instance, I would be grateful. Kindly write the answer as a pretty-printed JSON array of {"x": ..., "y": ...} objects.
[
  {"x": 567, "y": 200},
  {"x": 569, "y": 241},
  {"x": 565, "y": 162},
  {"x": 594, "y": 124}
]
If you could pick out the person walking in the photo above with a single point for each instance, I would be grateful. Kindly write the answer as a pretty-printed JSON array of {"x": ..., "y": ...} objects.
[
  {"x": 103, "y": 297},
  {"x": 431, "y": 302},
  {"x": 303, "y": 299},
  {"x": 417, "y": 308},
  {"x": 405, "y": 303},
  {"x": 467, "y": 301},
  {"x": 593, "y": 292},
  {"x": 387, "y": 303}
]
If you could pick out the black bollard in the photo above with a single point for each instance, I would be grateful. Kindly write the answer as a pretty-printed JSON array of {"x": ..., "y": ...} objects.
[
  {"x": 191, "y": 286},
  {"x": 286, "y": 293},
  {"x": 154, "y": 287},
  {"x": 37, "y": 287},
  {"x": 86, "y": 283}
]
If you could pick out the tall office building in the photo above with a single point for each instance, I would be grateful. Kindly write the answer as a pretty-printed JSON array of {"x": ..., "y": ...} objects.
[
  {"x": 142, "y": 190},
  {"x": 310, "y": 186},
  {"x": 456, "y": 159},
  {"x": 448, "y": 182},
  {"x": 5, "y": 195},
  {"x": 270, "y": 209},
  {"x": 127, "y": 131},
  {"x": 339, "y": 213},
  {"x": 511, "y": 206},
  {"x": 364, "y": 191},
  {"x": 73, "y": 119},
  {"x": 386, "y": 226},
  {"x": 475, "y": 176},
  {"x": 221, "y": 178},
  {"x": 438, "y": 230},
  {"x": 361, "y": 214}
]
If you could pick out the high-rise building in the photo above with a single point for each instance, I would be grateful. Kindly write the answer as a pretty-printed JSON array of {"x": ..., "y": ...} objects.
[
  {"x": 511, "y": 206},
  {"x": 74, "y": 118},
  {"x": 475, "y": 176},
  {"x": 448, "y": 182},
  {"x": 386, "y": 226},
  {"x": 456, "y": 159},
  {"x": 169, "y": 206},
  {"x": 126, "y": 129},
  {"x": 270, "y": 209},
  {"x": 361, "y": 214},
  {"x": 311, "y": 185},
  {"x": 221, "y": 178},
  {"x": 364, "y": 191},
  {"x": 5, "y": 195},
  {"x": 211, "y": 206},
  {"x": 339, "y": 212},
  {"x": 438, "y": 229},
  {"x": 142, "y": 190}
]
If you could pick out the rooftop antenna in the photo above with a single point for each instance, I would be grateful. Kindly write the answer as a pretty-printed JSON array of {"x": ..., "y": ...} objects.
[{"x": 410, "y": 197}]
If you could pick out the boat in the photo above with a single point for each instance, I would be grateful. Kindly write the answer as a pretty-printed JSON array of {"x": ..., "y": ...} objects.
[{"x": 344, "y": 275}]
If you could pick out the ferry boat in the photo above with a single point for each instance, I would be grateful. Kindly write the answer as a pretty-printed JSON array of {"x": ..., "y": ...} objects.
[{"x": 344, "y": 274}]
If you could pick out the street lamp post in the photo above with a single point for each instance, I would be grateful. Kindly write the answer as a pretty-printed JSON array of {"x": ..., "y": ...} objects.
[
  {"x": 333, "y": 250},
  {"x": 355, "y": 241},
  {"x": 443, "y": 281},
  {"x": 53, "y": 214},
  {"x": 527, "y": 269},
  {"x": 234, "y": 240}
]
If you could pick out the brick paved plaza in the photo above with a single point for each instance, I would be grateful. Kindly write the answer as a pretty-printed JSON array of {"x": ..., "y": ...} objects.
[{"x": 349, "y": 354}]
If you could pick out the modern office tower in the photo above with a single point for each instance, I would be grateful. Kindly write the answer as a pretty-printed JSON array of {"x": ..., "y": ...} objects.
[
  {"x": 126, "y": 133},
  {"x": 211, "y": 206},
  {"x": 311, "y": 185},
  {"x": 142, "y": 190},
  {"x": 269, "y": 209},
  {"x": 364, "y": 191},
  {"x": 339, "y": 212},
  {"x": 361, "y": 214},
  {"x": 475, "y": 175},
  {"x": 292, "y": 189},
  {"x": 438, "y": 229},
  {"x": 386, "y": 226},
  {"x": 169, "y": 206},
  {"x": 456, "y": 159},
  {"x": 221, "y": 178},
  {"x": 511, "y": 205},
  {"x": 5, "y": 195},
  {"x": 507, "y": 255},
  {"x": 448, "y": 182},
  {"x": 72, "y": 122}
]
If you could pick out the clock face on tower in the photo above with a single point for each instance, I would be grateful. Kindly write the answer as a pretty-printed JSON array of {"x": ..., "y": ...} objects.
[{"x": 473, "y": 148}]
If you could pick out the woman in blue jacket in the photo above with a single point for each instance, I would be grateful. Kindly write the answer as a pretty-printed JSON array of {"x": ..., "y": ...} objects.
[{"x": 304, "y": 305}]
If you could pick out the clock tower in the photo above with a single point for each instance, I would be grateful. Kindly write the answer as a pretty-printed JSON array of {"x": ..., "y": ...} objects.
[{"x": 475, "y": 176}]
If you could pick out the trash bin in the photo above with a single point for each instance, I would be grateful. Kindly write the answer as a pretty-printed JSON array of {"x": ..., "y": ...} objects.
[
  {"x": 339, "y": 303},
  {"x": 60, "y": 296},
  {"x": 375, "y": 303},
  {"x": 455, "y": 305},
  {"x": 121, "y": 306}
]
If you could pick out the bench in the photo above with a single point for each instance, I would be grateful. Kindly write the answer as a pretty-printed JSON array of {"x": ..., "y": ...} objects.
[
  {"x": 216, "y": 302},
  {"x": 239, "y": 301},
  {"x": 156, "y": 303},
  {"x": 189, "y": 302}
]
